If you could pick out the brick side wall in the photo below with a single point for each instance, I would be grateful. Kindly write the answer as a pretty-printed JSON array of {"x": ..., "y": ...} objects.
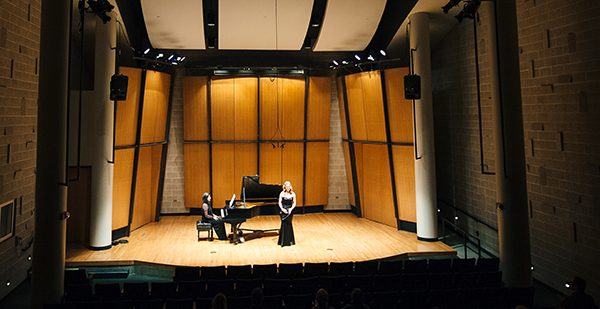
[
  {"x": 19, "y": 50},
  {"x": 338, "y": 183},
  {"x": 173, "y": 201},
  {"x": 560, "y": 77}
]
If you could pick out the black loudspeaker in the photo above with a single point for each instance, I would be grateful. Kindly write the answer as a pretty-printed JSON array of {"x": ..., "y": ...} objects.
[
  {"x": 118, "y": 87},
  {"x": 412, "y": 87}
]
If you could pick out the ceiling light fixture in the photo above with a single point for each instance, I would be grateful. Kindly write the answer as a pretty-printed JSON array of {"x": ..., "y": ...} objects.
[
  {"x": 357, "y": 57},
  {"x": 344, "y": 62},
  {"x": 382, "y": 52},
  {"x": 210, "y": 19},
  {"x": 182, "y": 58},
  {"x": 159, "y": 55},
  {"x": 371, "y": 58},
  {"x": 146, "y": 51},
  {"x": 335, "y": 62},
  {"x": 171, "y": 57}
]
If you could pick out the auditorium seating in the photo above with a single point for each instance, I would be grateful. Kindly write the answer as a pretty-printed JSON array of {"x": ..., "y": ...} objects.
[{"x": 445, "y": 283}]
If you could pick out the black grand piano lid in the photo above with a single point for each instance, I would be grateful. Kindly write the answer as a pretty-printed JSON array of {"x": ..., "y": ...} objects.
[{"x": 256, "y": 191}]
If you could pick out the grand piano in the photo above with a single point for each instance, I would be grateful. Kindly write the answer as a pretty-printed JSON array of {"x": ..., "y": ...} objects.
[{"x": 257, "y": 199}]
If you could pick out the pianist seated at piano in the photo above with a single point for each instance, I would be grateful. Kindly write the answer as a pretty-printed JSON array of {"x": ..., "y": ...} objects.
[
  {"x": 208, "y": 216},
  {"x": 287, "y": 203}
]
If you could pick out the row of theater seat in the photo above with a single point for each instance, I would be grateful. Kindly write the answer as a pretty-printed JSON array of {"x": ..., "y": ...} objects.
[
  {"x": 274, "y": 286},
  {"x": 453, "y": 298}
]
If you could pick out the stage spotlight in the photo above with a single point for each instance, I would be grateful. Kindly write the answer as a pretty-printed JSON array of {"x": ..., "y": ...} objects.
[
  {"x": 335, "y": 62},
  {"x": 178, "y": 58},
  {"x": 450, "y": 5},
  {"x": 357, "y": 57},
  {"x": 382, "y": 52},
  {"x": 344, "y": 62},
  {"x": 371, "y": 58},
  {"x": 146, "y": 51},
  {"x": 171, "y": 57},
  {"x": 159, "y": 56},
  {"x": 182, "y": 58}
]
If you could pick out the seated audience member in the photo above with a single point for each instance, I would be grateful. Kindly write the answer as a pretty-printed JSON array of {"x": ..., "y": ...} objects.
[
  {"x": 578, "y": 299},
  {"x": 322, "y": 300},
  {"x": 219, "y": 301},
  {"x": 257, "y": 298},
  {"x": 357, "y": 300}
]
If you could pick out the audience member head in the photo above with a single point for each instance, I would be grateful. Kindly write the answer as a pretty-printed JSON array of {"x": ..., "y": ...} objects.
[
  {"x": 322, "y": 299},
  {"x": 357, "y": 296},
  {"x": 578, "y": 284},
  {"x": 257, "y": 297},
  {"x": 219, "y": 301},
  {"x": 521, "y": 307}
]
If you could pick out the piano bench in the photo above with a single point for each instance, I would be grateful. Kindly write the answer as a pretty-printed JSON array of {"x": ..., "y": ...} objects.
[{"x": 204, "y": 227}]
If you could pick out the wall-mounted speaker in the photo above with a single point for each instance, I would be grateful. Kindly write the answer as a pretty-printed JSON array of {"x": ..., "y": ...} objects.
[
  {"x": 118, "y": 87},
  {"x": 412, "y": 87}
]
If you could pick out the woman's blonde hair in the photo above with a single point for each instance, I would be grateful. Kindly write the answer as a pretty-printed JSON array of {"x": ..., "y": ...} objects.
[{"x": 290, "y": 184}]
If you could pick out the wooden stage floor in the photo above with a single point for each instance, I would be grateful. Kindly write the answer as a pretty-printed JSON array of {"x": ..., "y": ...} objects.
[{"x": 328, "y": 237}]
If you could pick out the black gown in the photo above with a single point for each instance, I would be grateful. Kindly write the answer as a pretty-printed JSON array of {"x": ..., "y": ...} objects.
[
  {"x": 217, "y": 225},
  {"x": 286, "y": 232}
]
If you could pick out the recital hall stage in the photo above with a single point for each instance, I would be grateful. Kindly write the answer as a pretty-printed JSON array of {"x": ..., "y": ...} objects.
[{"x": 322, "y": 237}]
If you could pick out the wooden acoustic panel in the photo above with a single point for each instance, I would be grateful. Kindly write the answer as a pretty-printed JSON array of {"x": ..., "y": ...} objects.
[
  {"x": 78, "y": 205},
  {"x": 195, "y": 112},
  {"x": 156, "y": 103},
  {"x": 376, "y": 189},
  {"x": 196, "y": 173},
  {"x": 319, "y": 98},
  {"x": 269, "y": 110},
  {"x": 270, "y": 163},
  {"x": 245, "y": 109},
  {"x": 292, "y": 168},
  {"x": 127, "y": 111},
  {"x": 148, "y": 169},
  {"x": 223, "y": 172},
  {"x": 404, "y": 170},
  {"x": 291, "y": 105},
  {"x": 122, "y": 181},
  {"x": 359, "y": 163},
  {"x": 245, "y": 164},
  {"x": 349, "y": 178},
  {"x": 373, "y": 106},
  {"x": 400, "y": 109},
  {"x": 222, "y": 108},
  {"x": 317, "y": 172},
  {"x": 356, "y": 110}
]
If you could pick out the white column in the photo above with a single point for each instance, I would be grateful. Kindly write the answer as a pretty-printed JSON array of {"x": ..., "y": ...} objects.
[
  {"x": 511, "y": 190},
  {"x": 51, "y": 191},
  {"x": 101, "y": 135},
  {"x": 425, "y": 186}
]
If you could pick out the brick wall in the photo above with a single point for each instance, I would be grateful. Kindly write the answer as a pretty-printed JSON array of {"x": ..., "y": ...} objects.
[
  {"x": 560, "y": 76},
  {"x": 19, "y": 49},
  {"x": 173, "y": 201},
  {"x": 338, "y": 183}
]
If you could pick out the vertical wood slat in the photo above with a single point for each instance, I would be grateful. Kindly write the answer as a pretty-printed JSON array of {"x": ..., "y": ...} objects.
[
  {"x": 270, "y": 164},
  {"x": 269, "y": 111},
  {"x": 195, "y": 118},
  {"x": 144, "y": 208},
  {"x": 291, "y": 106},
  {"x": 317, "y": 172},
  {"x": 373, "y": 106},
  {"x": 196, "y": 174},
  {"x": 222, "y": 108},
  {"x": 400, "y": 109},
  {"x": 127, "y": 111},
  {"x": 351, "y": 195},
  {"x": 376, "y": 189},
  {"x": 122, "y": 181},
  {"x": 319, "y": 97},
  {"x": 292, "y": 168},
  {"x": 223, "y": 172},
  {"x": 404, "y": 171},
  {"x": 156, "y": 100},
  {"x": 245, "y": 109},
  {"x": 355, "y": 107}
]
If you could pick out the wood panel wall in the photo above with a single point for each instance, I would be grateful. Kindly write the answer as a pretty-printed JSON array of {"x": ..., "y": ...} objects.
[
  {"x": 148, "y": 170},
  {"x": 127, "y": 111},
  {"x": 235, "y": 142},
  {"x": 122, "y": 182},
  {"x": 367, "y": 116},
  {"x": 156, "y": 100}
]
